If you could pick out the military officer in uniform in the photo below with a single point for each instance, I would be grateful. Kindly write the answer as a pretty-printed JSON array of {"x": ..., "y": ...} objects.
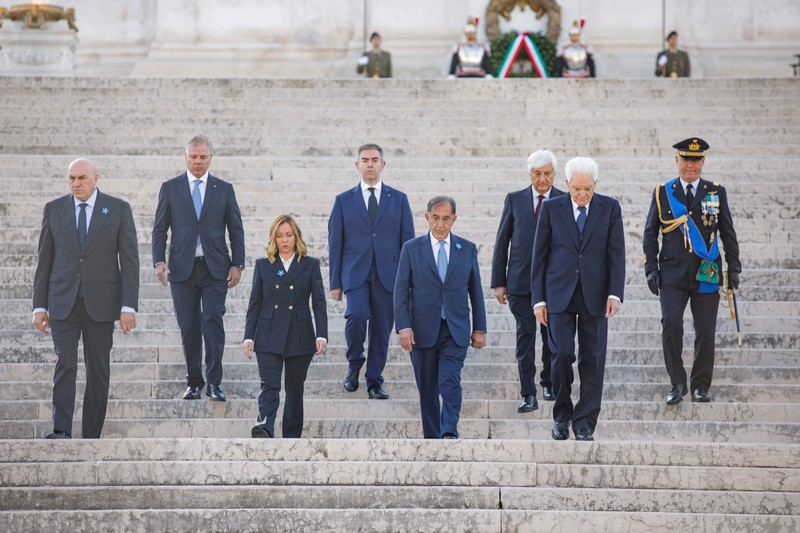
[
  {"x": 471, "y": 59},
  {"x": 376, "y": 63},
  {"x": 691, "y": 214},
  {"x": 576, "y": 60},
  {"x": 671, "y": 62}
]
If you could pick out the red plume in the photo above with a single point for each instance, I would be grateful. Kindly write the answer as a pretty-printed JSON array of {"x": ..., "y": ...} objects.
[{"x": 583, "y": 23}]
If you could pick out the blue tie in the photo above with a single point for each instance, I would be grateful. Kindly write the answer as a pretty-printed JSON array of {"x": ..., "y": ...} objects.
[
  {"x": 581, "y": 219},
  {"x": 441, "y": 263},
  {"x": 198, "y": 203},
  {"x": 82, "y": 225}
]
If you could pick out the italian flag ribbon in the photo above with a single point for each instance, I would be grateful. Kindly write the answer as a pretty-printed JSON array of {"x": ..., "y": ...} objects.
[{"x": 513, "y": 52}]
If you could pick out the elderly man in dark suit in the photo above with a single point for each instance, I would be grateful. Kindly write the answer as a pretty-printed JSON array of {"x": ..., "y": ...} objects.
[
  {"x": 198, "y": 207},
  {"x": 511, "y": 272},
  {"x": 367, "y": 227},
  {"x": 578, "y": 279},
  {"x": 437, "y": 282},
  {"x": 87, "y": 276}
]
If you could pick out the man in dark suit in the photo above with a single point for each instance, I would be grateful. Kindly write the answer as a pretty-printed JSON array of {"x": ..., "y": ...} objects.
[
  {"x": 691, "y": 214},
  {"x": 198, "y": 208},
  {"x": 578, "y": 279},
  {"x": 437, "y": 282},
  {"x": 87, "y": 276},
  {"x": 511, "y": 273},
  {"x": 367, "y": 227}
]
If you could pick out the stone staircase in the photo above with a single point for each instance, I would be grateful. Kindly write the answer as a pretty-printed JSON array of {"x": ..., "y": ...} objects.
[{"x": 165, "y": 464}]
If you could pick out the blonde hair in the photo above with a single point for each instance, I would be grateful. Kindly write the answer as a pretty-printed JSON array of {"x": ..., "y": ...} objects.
[{"x": 300, "y": 248}]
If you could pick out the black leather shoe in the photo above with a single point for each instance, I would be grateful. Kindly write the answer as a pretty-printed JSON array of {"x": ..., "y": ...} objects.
[
  {"x": 676, "y": 394},
  {"x": 215, "y": 393},
  {"x": 258, "y": 432},
  {"x": 547, "y": 394},
  {"x": 584, "y": 434},
  {"x": 528, "y": 404},
  {"x": 192, "y": 393},
  {"x": 57, "y": 435},
  {"x": 351, "y": 380},
  {"x": 449, "y": 436},
  {"x": 376, "y": 392},
  {"x": 560, "y": 431},
  {"x": 700, "y": 395}
]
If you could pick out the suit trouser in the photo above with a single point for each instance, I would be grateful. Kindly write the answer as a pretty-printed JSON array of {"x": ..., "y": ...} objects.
[
  {"x": 704, "y": 313},
  {"x": 522, "y": 310},
  {"x": 592, "y": 339},
  {"x": 437, "y": 371},
  {"x": 372, "y": 303},
  {"x": 270, "y": 367},
  {"x": 97, "y": 342},
  {"x": 199, "y": 307}
]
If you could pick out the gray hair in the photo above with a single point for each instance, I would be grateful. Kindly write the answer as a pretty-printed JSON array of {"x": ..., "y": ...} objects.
[
  {"x": 436, "y": 200},
  {"x": 197, "y": 140},
  {"x": 581, "y": 165},
  {"x": 369, "y": 146},
  {"x": 541, "y": 158}
]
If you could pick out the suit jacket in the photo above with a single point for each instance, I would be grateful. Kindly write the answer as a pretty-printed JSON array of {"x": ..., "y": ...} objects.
[
  {"x": 107, "y": 269},
  {"x": 512, "y": 269},
  {"x": 677, "y": 264},
  {"x": 419, "y": 293},
  {"x": 379, "y": 66},
  {"x": 353, "y": 241},
  {"x": 560, "y": 259},
  {"x": 220, "y": 211},
  {"x": 278, "y": 316}
]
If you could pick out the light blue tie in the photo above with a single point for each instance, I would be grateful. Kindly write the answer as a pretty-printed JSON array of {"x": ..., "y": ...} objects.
[
  {"x": 198, "y": 203},
  {"x": 441, "y": 263},
  {"x": 581, "y": 219}
]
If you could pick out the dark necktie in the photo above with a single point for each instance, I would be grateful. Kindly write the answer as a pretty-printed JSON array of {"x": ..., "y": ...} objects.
[
  {"x": 539, "y": 199},
  {"x": 82, "y": 225},
  {"x": 581, "y": 219},
  {"x": 372, "y": 204},
  {"x": 689, "y": 194}
]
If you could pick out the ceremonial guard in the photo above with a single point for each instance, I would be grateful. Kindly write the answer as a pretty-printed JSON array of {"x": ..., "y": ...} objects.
[
  {"x": 671, "y": 62},
  {"x": 376, "y": 63},
  {"x": 576, "y": 60},
  {"x": 691, "y": 214},
  {"x": 471, "y": 59}
]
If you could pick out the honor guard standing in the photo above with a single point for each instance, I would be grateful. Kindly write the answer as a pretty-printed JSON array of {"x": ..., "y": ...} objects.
[
  {"x": 575, "y": 60},
  {"x": 671, "y": 62},
  {"x": 691, "y": 214},
  {"x": 471, "y": 59},
  {"x": 376, "y": 63}
]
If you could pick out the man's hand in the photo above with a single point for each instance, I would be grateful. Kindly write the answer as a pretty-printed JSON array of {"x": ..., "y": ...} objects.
[
  {"x": 127, "y": 321},
  {"x": 248, "y": 349},
  {"x": 541, "y": 314},
  {"x": 336, "y": 294},
  {"x": 161, "y": 273},
  {"x": 612, "y": 307},
  {"x": 478, "y": 339},
  {"x": 733, "y": 281},
  {"x": 501, "y": 295},
  {"x": 41, "y": 321},
  {"x": 653, "y": 281},
  {"x": 234, "y": 275},
  {"x": 322, "y": 346},
  {"x": 407, "y": 339}
]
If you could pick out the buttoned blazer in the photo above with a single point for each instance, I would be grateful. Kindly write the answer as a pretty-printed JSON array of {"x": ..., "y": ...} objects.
[
  {"x": 676, "y": 263},
  {"x": 175, "y": 212},
  {"x": 353, "y": 241},
  {"x": 511, "y": 268},
  {"x": 106, "y": 270},
  {"x": 279, "y": 315},
  {"x": 561, "y": 259},
  {"x": 420, "y": 294}
]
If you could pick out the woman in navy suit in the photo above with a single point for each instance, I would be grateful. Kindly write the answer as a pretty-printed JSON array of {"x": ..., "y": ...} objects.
[{"x": 279, "y": 328}]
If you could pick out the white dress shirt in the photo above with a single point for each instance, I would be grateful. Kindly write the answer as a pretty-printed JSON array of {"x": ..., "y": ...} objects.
[{"x": 365, "y": 192}]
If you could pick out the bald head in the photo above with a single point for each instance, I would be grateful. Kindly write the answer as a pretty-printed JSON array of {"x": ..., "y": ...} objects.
[{"x": 82, "y": 178}]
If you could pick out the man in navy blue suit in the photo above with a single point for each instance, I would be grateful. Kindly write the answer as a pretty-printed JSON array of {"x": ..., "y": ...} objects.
[
  {"x": 578, "y": 279},
  {"x": 511, "y": 273},
  {"x": 437, "y": 281},
  {"x": 198, "y": 208},
  {"x": 367, "y": 227}
]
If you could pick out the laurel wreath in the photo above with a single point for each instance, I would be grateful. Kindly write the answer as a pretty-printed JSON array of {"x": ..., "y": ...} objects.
[{"x": 499, "y": 46}]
